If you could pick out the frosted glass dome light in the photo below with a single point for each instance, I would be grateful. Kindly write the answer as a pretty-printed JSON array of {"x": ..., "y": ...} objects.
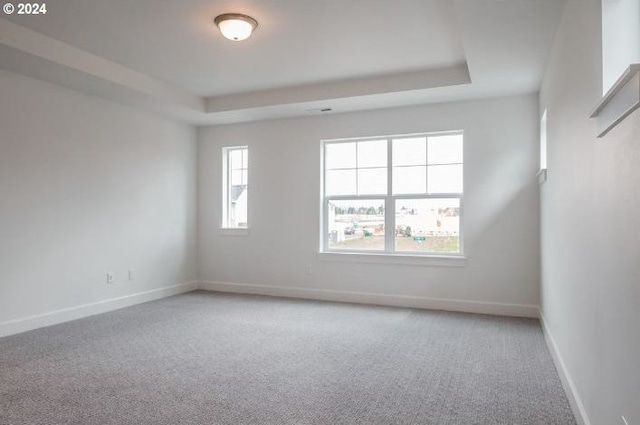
[{"x": 235, "y": 26}]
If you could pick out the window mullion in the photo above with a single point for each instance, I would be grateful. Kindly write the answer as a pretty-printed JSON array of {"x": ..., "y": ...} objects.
[
  {"x": 389, "y": 211},
  {"x": 325, "y": 227},
  {"x": 461, "y": 225},
  {"x": 357, "y": 164},
  {"x": 227, "y": 189},
  {"x": 426, "y": 167}
]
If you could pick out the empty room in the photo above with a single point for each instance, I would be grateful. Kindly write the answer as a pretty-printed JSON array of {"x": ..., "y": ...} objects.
[{"x": 320, "y": 212}]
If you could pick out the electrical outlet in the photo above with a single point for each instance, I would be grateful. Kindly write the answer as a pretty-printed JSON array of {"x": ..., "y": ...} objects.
[
  {"x": 132, "y": 274},
  {"x": 307, "y": 271},
  {"x": 110, "y": 278},
  {"x": 624, "y": 420}
]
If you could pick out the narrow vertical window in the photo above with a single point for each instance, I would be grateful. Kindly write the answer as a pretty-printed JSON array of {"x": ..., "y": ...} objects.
[
  {"x": 235, "y": 186},
  {"x": 620, "y": 64},
  {"x": 543, "y": 141},
  {"x": 620, "y": 39}
]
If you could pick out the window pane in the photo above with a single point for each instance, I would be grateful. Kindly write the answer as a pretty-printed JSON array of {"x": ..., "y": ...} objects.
[
  {"x": 340, "y": 182},
  {"x": 372, "y": 181},
  {"x": 407, "y": 180},
  {"x": 372, "y": 154},
  {"x": 445, "y": 149},
  {"x": 236, "y": 178},
  {"x": 428, "y": 225},
  {"x": 236, "y": 158},
  {"x": 410, "y": 151},
  {"x": 340, "y": 155},
  {"x": 245, "y": 158},
  {"x": 238, "y": 206},
  {"x": 445, "y": 178},
  {"x": 356, "y": 225}
]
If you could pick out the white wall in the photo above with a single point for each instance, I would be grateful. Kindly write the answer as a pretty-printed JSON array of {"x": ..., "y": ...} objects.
[
  {"x": 86, "y": 187},
  {"x": 591, "y": 227},
  {"x": 501, "y": 204}
]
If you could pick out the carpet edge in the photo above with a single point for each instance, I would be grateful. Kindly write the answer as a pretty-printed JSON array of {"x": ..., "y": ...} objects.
[
  {"x": 24, "y": 324},
  {"x": 466, "y": 306}
]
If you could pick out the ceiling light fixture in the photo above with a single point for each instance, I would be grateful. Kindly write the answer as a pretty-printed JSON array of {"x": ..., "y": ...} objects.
[{"x": 235, "y": 26}]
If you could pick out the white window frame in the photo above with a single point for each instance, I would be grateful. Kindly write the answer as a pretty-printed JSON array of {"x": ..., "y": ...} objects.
[
  {"x": 620, "y": 39},
  {"x": 389, "y": 201},
  {"x": 227, "y": 227},
  {"x": 542, "y": 172},
  {"x": 620, "y": 64}
]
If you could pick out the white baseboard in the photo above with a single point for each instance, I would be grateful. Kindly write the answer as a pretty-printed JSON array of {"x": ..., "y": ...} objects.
[
  {"x": 500, "y": 309},
  {"x": 16, "y": 326},
  {"x": 567, "y": 382}
]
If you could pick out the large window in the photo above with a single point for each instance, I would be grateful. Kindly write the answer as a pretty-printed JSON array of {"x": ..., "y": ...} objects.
[
  {"x": 400, "y": 194},
  {"x": 235, "y": 185}
]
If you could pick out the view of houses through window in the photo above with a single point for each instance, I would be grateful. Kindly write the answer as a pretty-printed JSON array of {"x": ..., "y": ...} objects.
[{"x": 400, "y": 194}]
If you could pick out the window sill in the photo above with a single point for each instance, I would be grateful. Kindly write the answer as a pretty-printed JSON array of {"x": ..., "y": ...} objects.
[
  {"x": 405, "y": 259},
  {"x": 234, "y": 231},
  {"x": 619, "y": 102}
]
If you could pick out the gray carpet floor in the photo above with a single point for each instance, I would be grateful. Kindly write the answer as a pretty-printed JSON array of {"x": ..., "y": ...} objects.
[{"x": 209, "y": 358}]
